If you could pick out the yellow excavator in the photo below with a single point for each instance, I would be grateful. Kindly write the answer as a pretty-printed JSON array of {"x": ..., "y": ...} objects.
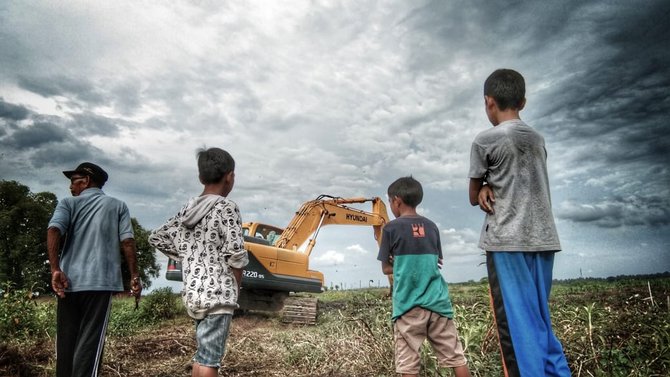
[{"x": 278, "y": 265}]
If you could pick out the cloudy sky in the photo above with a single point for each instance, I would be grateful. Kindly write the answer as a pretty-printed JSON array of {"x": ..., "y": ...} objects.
[{"x": 342, "y": 98}]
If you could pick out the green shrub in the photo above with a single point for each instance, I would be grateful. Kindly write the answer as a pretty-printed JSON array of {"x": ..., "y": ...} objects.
[
  {"x": 124, "y": 320},
  {"x": 159, "y": 305},
  {"x": 21, "y": 317}
]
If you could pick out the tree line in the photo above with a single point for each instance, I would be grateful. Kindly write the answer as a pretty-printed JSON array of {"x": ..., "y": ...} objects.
[{"x": 24, "y": 263}]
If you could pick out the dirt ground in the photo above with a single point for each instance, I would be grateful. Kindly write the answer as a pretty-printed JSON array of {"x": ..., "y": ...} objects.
[{"x": 158, "y": 352}]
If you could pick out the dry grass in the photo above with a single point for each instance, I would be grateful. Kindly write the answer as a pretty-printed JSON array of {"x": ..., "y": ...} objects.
[{"x": 607, "y": 328}]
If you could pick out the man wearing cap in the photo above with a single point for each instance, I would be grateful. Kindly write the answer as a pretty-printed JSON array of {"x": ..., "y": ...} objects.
[{"x": 84, "y": 239}]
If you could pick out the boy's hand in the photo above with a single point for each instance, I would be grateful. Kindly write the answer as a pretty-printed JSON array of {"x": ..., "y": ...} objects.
[
  {"x": 440, "y": 263},
  {"x": 238, "y": 273},
  {"x": 387, "y": 268},
  {"x": 486, "y": 199}
]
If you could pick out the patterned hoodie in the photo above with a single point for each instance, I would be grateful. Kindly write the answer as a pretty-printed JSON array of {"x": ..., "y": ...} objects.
[{"x": 206, "y": 236}]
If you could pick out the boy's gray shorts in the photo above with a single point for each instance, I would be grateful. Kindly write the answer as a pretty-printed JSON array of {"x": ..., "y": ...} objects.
[{"x": 211, "y": 334}]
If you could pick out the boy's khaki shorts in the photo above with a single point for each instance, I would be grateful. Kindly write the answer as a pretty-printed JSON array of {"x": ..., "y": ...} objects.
[{"x": 418, "y": 324}]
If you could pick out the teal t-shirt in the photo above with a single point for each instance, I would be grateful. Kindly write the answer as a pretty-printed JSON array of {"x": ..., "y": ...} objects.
[
  {"x": 92, "y": 224},
  {"x": 414, "y": 243}
]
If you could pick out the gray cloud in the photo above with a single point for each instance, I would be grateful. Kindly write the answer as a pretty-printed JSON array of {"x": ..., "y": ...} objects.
[
  {"x": 339, "y": 99},
  {"x": 126, "y": 97},
  {"x": 617, "y": 212},
  {"x": 89, "y": 124},
  {"x": 13, "y": 112},
  {"x": 79, "y": 92},
  {"x": 64, "y": 155},
  {"x": 44, "y": 142},
  {"x": 35, "y": 136},
  {"x": 604, "y": 112},
  {"x": 618, "y": 83}
]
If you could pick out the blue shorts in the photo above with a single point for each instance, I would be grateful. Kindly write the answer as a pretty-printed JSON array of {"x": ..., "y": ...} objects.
[{"x": 211, "y": 334}]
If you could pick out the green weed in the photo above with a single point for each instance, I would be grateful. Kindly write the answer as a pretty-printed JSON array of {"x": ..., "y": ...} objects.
[
  {"x": 21, "y": 317},
  {"x": 607, "y": 328},
  {"x": 155, "y": 307}
]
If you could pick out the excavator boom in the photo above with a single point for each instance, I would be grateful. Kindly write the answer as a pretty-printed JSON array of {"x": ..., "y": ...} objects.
[{"x": 327, "y": 210}]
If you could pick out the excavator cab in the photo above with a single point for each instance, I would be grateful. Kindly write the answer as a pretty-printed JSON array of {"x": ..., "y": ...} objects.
[
  {"x": 253, "y": 232},
  {"x": 261, "y": 231}
]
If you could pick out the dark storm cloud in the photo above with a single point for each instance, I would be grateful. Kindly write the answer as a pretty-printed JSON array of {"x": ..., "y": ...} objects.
[
  {"x": 611, "y": 76},
  {"x": 608, "y": 112},
  {"x": 616, "y": 212},
  {"x": 619, "y": 87},
  {"x": 79, "y": 92},
  {"x": 35, "y": 136},
  {"x": 339, "y": 98},
  {"x": 12, "y": 112},
  {"x": 51, "y": 129},
  {"x": 89, "y": 124},
  {"x": 44, "y": 141},
  {"x": 484, "y": 31},
  {"x": 64, "y": 155}
]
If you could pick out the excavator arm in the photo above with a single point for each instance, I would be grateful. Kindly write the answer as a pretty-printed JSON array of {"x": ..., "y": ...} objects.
[{"x": 328, "y": 210}]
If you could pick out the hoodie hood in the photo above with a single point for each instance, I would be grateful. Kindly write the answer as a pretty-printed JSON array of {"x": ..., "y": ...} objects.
[{"x": 197, "y": 208}]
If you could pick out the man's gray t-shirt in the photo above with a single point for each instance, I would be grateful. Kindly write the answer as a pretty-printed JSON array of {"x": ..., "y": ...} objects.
[
  {"x": 511, "y": 157},
  {"x": 92, "y": 224}
]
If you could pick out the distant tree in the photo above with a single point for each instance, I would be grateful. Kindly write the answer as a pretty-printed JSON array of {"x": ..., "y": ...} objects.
[
  {"x": 23, "y": 222},
  {"x": 24, "y": 217},
  {"x": 146, "y": 258}
]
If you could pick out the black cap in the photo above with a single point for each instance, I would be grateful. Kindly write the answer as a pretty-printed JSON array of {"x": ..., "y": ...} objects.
[{"x": 90, "y": 169}]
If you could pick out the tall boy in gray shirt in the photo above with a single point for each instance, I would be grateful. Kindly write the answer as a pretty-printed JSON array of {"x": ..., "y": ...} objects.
[{"x": 508, "y": 180}]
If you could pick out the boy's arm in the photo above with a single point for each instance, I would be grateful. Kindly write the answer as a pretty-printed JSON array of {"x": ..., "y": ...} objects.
[
  {"x": 482, "y": 195},
  {"x": 440, "y": 256},
  {"x": 237, "y": 273},
  {"x": 385, "y": 256},
  {"x": 234, "y": 253},
  {"x": 162, "y": 239},
  {"x": 475, "y": 185},
  {"x": 387, "y": 268}
]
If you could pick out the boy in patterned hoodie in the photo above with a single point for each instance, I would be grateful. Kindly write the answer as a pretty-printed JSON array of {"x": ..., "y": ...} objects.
[{"x": 206, "y": 236}]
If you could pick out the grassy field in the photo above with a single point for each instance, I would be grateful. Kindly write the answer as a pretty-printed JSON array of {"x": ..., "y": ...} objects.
[{"x": 608, "y": 328}]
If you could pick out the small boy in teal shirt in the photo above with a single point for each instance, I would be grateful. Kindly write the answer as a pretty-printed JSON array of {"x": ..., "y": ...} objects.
[{"x": 411, "y": 251}]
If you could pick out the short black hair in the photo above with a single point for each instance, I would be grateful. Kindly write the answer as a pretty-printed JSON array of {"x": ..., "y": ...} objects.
[
  {"x": 213, "y": 164},
  {"x": 507, "y": 87},
  {"x": 408, "y": 189}
]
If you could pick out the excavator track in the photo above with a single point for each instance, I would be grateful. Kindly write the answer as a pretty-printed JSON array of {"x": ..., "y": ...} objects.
[{"x": 300, "y": 310}]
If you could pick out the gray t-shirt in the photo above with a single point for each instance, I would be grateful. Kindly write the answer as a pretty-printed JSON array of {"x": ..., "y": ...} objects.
[
  {"x": 511, "y": 157},
  {"x": 93, "y": 224}
]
